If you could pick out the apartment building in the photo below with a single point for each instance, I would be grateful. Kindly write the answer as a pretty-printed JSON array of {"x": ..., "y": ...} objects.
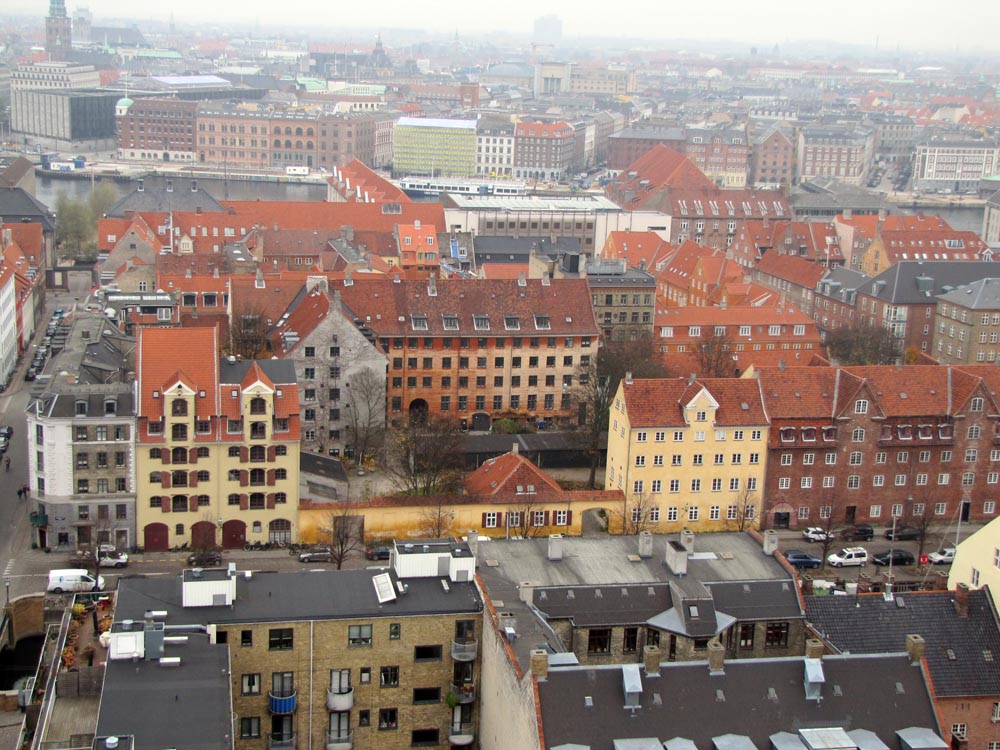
[
  {"x": 894, "y": 136},
  {"x": 602, "y": 81},
  {"x": 772, "y": 158},
  {"x": 160, "y": 130},
  {"x": 494, "y": 148},
  {"x": 712, "y": 434},
  {"x": 624, "y": 299},
  {"x": 722, "y": 153},
  {"x": 386, "y": 658},
  {"x": 844, "y": 152},
  {"x": 627, "y": 145},
  {"x": 967, "y": 323},
  {"x": 435, "y": 147},
  {"x": 51, "y": 74},
  {"x": 477, "y": 350},
  {"x": 944, "y": 244},
  {"x": 217, "y": 443},
  {"x": 954, "y": 164},
  {"x": 543, "y": 150},
  {"x": 873, "y": 444}
]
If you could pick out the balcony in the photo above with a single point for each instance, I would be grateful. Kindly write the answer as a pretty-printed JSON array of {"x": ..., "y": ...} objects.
[
  {"x": 340, "y": 700},
  {"x": 461, "y": 733},
  {"x": 465, "y": 649},
  {"x": 339, "y": 740},
  {"x": 281, "y": 741},
  {"x": 282, "y": 702},
  {"x": 464, "y": 692},
  {"x": 38, "y": 518}
]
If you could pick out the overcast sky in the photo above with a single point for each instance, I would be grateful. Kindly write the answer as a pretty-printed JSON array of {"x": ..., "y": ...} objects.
[{"x": 910, "y": 24}]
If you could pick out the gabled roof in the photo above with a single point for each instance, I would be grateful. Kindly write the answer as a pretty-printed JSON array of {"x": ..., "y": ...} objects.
[
  {"x": 932, "y": 245},
  {"x": 659, "y": 402},
  {"x": 912, "y": 282},
  {"x": 960, "y": 651},
  {"x": 660, "y": 167},
  {"x": 511, "y": 474},
  {"x": 796, "y": 270},
  {"x": 637, "y": 248},
  {"x": 356, "y": 181},
  {"x": 17, "y": 204},
  {"x": 306, "y": 312},
  {"x": 161, "y": 350}
]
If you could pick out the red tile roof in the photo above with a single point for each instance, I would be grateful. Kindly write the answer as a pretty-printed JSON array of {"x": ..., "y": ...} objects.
[
  {"x": 161, "y": 350},
  {"x": 656, "y": 169},
  {"x": 638, "y": 248},
  {"x": 543, "y": 130},
  {"x": 356, "y": 181},
  {"x": 511, "y": 474},
  {"x": 660, "y": 402},
  {"x": 791, "y": 268}
]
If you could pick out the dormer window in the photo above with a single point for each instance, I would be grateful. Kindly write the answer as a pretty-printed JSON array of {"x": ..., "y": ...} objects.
[
  {"x": 924, "y": 431},
  {"x": 787, "y": 434},
  {"x": 905, "y": 432},
  {"x": 861, "y": 406},
  {"x": 829, "y": 434},
  {"x": 511, "y": 323},
  {"x": 542, "y": 323},
  {"x": 809, "y": 434},
  {"x": 419, "y": 322},
  {"x": 946, "y": 431},
  {"x": 481, "y": 322},
  {"x": 178, "y": 408},
  {"x": 258, "y": 405},
  {"x": 81, "y": 408},
  {"x": 694, "y": 331},
  {"x": 450, "y": 322}
]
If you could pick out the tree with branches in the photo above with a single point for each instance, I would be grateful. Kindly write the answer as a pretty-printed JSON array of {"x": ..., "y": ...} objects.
[
  {"x": 745, "y": 510},
  {"x": 364, "y": 413},
  {"x": 597, "y": 382},
  {"x": 863, "y": 344},
  {"x": 713, "y": 355},
  {"x": 248, "y": 328},
  {"x": 425, "y": 457},
  {"x": 635, "y": 513},
  {"x": 523, "y": 507},
  {"x": 436, "y": 515},
  {"x": 342, "y": 531}
]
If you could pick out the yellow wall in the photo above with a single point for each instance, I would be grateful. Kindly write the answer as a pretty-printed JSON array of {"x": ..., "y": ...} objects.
[
  {"x": 979, "y": 553},
  {"x": 625, "y": 445}
]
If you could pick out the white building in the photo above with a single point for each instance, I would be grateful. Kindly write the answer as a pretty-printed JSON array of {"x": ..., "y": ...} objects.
[
  {"x": 8, "y": 322},
  {"x": 955, "y": 164}
]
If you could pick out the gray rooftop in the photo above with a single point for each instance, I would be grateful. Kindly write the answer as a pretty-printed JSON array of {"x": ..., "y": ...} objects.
[
  {"x": 911, "y": 282},
  {"x": 278, "y": 370},
  {"x": 960, "y": 651},
  {"x": 756, "y": 698},
  {"x": 983, "y": 294},
  {"x": 184, "y": 195},
  {"x": 583, "y": 204},
  {"x": 187, "y": 706},
  {"x": 301, "y": 595}
]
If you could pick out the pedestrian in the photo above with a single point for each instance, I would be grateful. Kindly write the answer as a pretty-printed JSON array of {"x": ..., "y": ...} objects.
[
  {"x": 20, "y": 493},
  {"x": 27, "y": 491},
  {"x": 6, "y": 463}
]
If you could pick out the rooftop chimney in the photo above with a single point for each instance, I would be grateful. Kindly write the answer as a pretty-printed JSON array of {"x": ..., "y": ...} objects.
[
  {"x": 651, "y": 660},
  {"x": 676, "y": 558},
  {"x": 848, "y": 213},
  {"x": 716, "y": 657},
  {"x": 515, "y": 449},
  {"x": 814, "y": 648},
  {"x": 962, "y": 600},
  {"x": 645, "y": 544},
  {"x": 555, "y": 547},
  {"x": 915, "y": 647},
  {"x": 540, "y": 663},
  {"x": 770, "y": 541},
  {"x": 687, "y": 539},
  {"x": 628, "y": 377},
  {"x": 473, "y": 538},
  {"x": 526, "y": 591}
]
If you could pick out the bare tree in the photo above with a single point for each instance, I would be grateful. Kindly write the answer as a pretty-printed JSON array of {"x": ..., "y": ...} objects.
[
  {"x": 248, "y": 329},
  {"x": 597, "y": 382},
  {"x": 425, "y": 457},
  {"x": 863, "y": 344},
  {"x": 523, "y": 506},
  {"x": 832, "y": 508},
  {"x": 713, "y": 355},
  {"x": 635, "y": 513},
  {"x": 364, "y": 413},
  {"x": 342, "y": 531},
  {"x": 744, "y": 513},
  {"x": 919, "y": 513},
  {"x": 436, "y": 515}
]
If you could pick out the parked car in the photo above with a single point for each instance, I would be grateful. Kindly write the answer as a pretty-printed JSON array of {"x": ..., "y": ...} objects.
[
  {"x": 205, "y": 558},
  {"x": 4, "y": 444},
  {"x": 902, "y": 533},
  {"x": 6, "y": 431},
  {"x": 861, "y": 532},
  {"x": 945, "y": 556},
  {"x": 817, "y": 534},
  {"x": 320, "y": 554},
  {"x": 895, "y": 557},
  {"x": 801, "y": 559},
  {"x": 113, "y": 559},
  {"x": 379, "y": 553},
  {"x": 848, "y": 556}
]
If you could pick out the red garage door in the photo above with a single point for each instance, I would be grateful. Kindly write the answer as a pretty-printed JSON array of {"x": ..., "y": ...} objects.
[
  {"x": 154, "y": 537},
  {"x": 234, "y": 534}
]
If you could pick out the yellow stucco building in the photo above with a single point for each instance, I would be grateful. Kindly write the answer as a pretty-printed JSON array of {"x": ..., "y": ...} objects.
[
  {"x": 977, "y": 559},
  {"x": 688, "y": 453},
  {"x": 217, "y": 455}
]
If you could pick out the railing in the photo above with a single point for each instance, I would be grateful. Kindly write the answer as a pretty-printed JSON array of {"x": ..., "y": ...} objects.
[
  {"x": 340, "y": 700},
  {"x": 464, "y": 649},
  {"x": 465, "y": 692},
  {"x": 336, "y": 740},
  {"x": 281, "y": 740},
  {"x": 461, "y": 733},
  {"x": 282, "y": 701}
]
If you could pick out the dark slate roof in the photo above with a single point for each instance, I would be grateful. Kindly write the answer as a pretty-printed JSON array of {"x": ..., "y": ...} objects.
[
  {"x": 329, "y": 468},
  {"x": 898, "y": 283},
  {"x": 278, "y": 370},
  {"x": 156, "y": 199},
  {"x": 603, "y": 605},
  {"x": 185, "y": 706},
  {"x": 301, "y": 595},
  {"x": 63, "y": 405},
  {"x": 17, "y": 205},
  {"x": 870, "y": 625},
  {"x": 757, "y": 600},
  {"x": 499, "y": 249},
  {"x": 686, "y": 701}
]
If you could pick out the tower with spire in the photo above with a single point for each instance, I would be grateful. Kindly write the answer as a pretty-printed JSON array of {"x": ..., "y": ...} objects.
[{"x": 58, "y": 31}]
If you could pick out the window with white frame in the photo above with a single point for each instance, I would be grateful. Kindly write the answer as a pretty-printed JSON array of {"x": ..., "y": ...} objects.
[
  {"x": 751, "y": 484},
  {"x": 784, "y": 483},
  {"x": 653, "y": 515},
  {"x": 940, "y": 509},
  {"x": 637, "y": 487},
  {"x": 660, "y": 436},
  {"x": 858, "y": 435},
  {"x": 561, "y": 517},
  {"x": 699, "y": 436},
  {"x": 806, "y": 483},
  {"x": 756, "y": 434},
  {"x": 853, "y": 481},
  {"x": 918, "y": 510},
  {"x": 897, "y": 510},
  {"x": 825, "y": 511},
  {"x": 989, "y": 507},
  {"x": 675, "y": 485},
  {"x": 672, "y": 514},
  {"x": 974, "y": 579},
  {"x": 831, "y": 458},
  {"x": 734, "y": 484},
  {"x": 640, "y": 460},
  {"x": 968, "y": 478},
  {"x": 861, "y": 406},
  {"x": 640, "y": 437},
  {"x": 717, "y": 484},
  {"x": 943, "y": 478},
  {"x": 732, "y": 512},
  {"x": 856, "y": 458},
  {"x": 693, "y": 513},
  {"x": 491, "y": 520},
  {"x": 656, "y": 486},
  {"x": 696, "y": 485},
  {"x": 803, "y": 512},
  {"x": 921, "y": 480},
  {"x": 875, "y": 511},
  {"x": 538, "y": 518},
  {"x": 808, "y": 459},
  {"x": 786, "y": 459},
  {"x": 714, "y": 513},
  {"x": 636, "y": 515},
  {"x": 900, "y": 480},
  {"x": 678, "y": 436},
  {"x": 658, "y": 460},
  {"x": 827, "y": 482},
  {"x": 977, "y": 404},
  {"x": 878, "y": 480}
]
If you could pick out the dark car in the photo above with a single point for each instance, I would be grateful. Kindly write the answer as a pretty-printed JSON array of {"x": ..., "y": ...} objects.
[
  {"x": 320, "y": 554},
  {"x": 861, "y": 532},
  {"x": 379, "y": 553},
  {"x": 896, "y": 557},
  {"x": 205, "y": 558},
  {"x": 6, "y": 431},
  {"x": 801, "y": 559},
  {"x": 902, "y": 533}
]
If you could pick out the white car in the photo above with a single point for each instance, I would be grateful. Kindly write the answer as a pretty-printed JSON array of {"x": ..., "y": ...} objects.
[
  {"x": 111, "y": 559},
  {"x": 817, "y": 534},
  {"x": 942, "y": 557},
  {"x": 848, "y": 556}
]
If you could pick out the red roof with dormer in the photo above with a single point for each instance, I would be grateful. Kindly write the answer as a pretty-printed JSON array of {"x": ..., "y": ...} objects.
[{"x": 511, "y": 474}]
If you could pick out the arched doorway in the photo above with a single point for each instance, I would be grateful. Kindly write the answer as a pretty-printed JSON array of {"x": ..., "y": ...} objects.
[
  {"x": 418, "y": 410},
  {"x": 780, "y": 516},
  {"x": 481, "y": 422},
  {"x": 203, "y": 535},
  {"x": 279, "y": 531},
  {"x": 155, "y": 538},
  {"x": 234, "y": 534}
]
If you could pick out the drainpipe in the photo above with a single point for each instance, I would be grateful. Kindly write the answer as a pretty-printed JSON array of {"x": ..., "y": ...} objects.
[{"x": 311, "y": 624}]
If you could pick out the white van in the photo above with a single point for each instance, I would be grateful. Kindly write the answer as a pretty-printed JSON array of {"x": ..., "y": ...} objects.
[{"x": 73, "y": 579}]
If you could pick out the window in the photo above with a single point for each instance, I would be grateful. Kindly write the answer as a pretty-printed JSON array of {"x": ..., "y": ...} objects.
[
  {"x": 279, "y": 639},
  {"x": 250, "y": 727},
  {"x": 858, "y": 435},
  {"x": 387, "y": 718},
  {"x": 861, "y": 406},
  {"x": 426, "y": 695},
  {"x": 776, "y": 635},
  {"x": 853, "y": 481},
  {"x": 388, "y": 677},
  {"x": 359, "y": 635},
  {"x": 977, "y": 404},
  {"x": 855, "y": 459},
  {"x": 784, "y": 483},
  {"x": 599, "y": 641},
  {"x": 940, "y": 509},
  {"x": 427, "y": 653},
  {"x": 958, "y": 729},
  {"x": 246, "y": 638},
  {"x": 250, "y": 684}
]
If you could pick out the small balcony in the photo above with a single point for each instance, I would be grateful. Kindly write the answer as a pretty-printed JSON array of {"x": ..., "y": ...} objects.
[
  {"x": 465, "y": 649},
  {"x": 283, "y": 702},
  {"x": 339, "y": 740},
  {"x": 340, "y": 700},
  {"x": 464, "y": 692},
  {"x": 281, "y": 741},
  {"x": 461, "y": 733}
]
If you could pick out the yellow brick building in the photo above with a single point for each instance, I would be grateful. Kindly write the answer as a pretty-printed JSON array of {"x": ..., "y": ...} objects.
[
  {"x": 436, "y": 147},
  {"x": 687, "y": 453},
  {"x": 217, "y": 458}
]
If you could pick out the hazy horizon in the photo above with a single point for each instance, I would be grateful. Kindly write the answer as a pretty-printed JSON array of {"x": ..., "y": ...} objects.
[{"x": 970, "y": 25}]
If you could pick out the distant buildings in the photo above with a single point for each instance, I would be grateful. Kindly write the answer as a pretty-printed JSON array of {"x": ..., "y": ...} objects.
[
  {"x": 543, "y": 151},
  {"x": 954, "y": 164},
  {"x": 434, "y": 147},
  {"x": 841, "y": 151}
]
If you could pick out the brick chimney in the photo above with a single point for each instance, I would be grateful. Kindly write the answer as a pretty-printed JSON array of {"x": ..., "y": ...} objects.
[
  {"x": 915, "y": 647},
  {"x": 864, "y": 583},
  {"x": 941, "y": 577},
  {"x": 651, "y": 660},
  {"x": 540, "y": 663},
  {"x": 814, "y": 648},
  {"x": 962, "y": 600},
  {"x": 716, "y": 657}
]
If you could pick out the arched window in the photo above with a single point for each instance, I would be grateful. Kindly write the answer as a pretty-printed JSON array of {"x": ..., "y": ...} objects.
[
  {"x": 288, "y": 143},
  {"x": 309, "y": 145},
  {"x": 256, "y": 477},
  {"x": 179, "y": 432},
  {"x": 179, "y": 456},
  {"x": 309, "y": 131},
  {"x": 178, "y": 407},
  {"x": 298, "y": 144},
  {"x": 179, "y": 479},
  {"x": 280, "y": 497},
  {"x": 288, "y": 131},
  {"x": 277, "y": 142},
  {"x": 277, "y": 131},
  {"x": 279, "y": 530},
  {"x": 257, "y": 501},
  {"x": 258, "y": 406},
  {"x": 155, "y": 477},
  {"x": 257, "y": 453},
  {"x": 179, "y": 504},
  {"x": 234, "y": 475},
  {"x": 258, "y": 431}
]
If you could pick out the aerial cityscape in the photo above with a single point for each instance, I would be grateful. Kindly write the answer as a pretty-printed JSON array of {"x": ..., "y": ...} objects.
[{"x": 568, "y": 377}]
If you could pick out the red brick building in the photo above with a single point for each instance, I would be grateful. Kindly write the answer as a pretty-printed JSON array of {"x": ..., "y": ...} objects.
[
  {"x": 157, "y": 130},
  {"x": 543, "y": 150}
]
